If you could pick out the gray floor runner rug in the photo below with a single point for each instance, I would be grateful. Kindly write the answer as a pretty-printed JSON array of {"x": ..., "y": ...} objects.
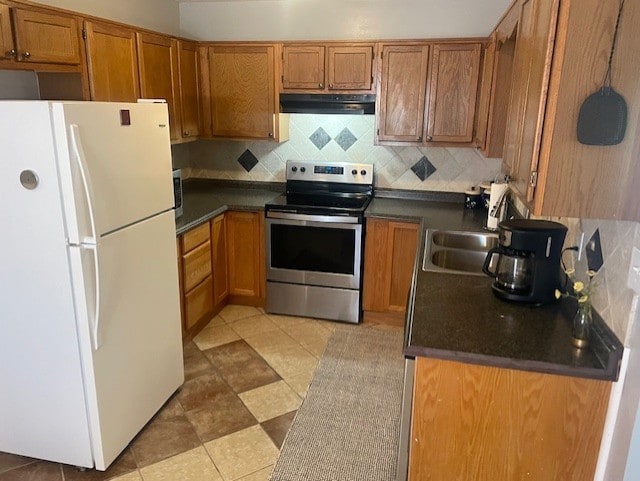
[{"x": 347, "y": 428}]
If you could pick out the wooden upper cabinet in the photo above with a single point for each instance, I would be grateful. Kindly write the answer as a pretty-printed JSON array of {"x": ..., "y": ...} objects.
[
  {"x": 303, "y": 67},
  {"x": 350, "y": 67},
  {"x": 530, "y": 81},
  {"x": 158, "y": 70},
  {"x": 112, "y": 63},
  {"x": 7, "y": 49},
  {"x": 401, "y": 103},
  {"x": 189, "y": 89},
  {"x": 454, "y": 86},
  {"x": 44, "y": 37},
  {"x": 327, "y": 67},
  {"x": 242, "y": 90}
]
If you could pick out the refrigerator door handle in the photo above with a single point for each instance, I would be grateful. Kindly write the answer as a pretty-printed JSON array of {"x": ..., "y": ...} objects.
[
  {"x": 79, "y": 156},
  {"x": 96, "y": 325}
]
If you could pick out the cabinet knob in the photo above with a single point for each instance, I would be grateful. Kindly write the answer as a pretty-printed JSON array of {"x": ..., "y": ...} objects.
[
  {"x": 420, "y": 139},
  {"x": 330, "y": 86},
  {"x": 26, "y": 55},
  {"x": 270, "y": 135},
  {"x": 429, "y": 138},
  {"x": 10, "y": 53},
  {"x": 321, "y": 85},
  {"x": 186, "y": 133}
]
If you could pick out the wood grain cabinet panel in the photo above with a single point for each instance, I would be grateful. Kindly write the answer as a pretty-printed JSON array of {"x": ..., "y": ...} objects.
[
  {"x": 389, "y": 257},
  {"x": 303, "y": 67},
  {"x": 198, "y": 303},
  {"x": 158, "y": 70},
  {"x": 403, "y": 89},
  {"x": 46, "y": 38},
  {"x": 197, "y": 265},
  {"x": 219, "y": 260},
  {"x": 112, "y": 63},
  {"x": 245, "y": 256},
  {"x": 7, "y": 49},
  {"x": 194, "y": 237},
  {"x": 491, "y": 424},
  {"x": 452, "y": 98},
  {"x": 242, "y": 90},
  {"x": 189, "y": 88},
  {"x": 350, "y": 67}
]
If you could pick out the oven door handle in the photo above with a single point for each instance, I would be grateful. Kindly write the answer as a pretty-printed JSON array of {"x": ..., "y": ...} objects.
[{"x": 336, "y": 219}]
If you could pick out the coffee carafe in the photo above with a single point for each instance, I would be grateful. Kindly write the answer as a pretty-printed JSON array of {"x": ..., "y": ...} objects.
[{"x": 527, "y": 268}]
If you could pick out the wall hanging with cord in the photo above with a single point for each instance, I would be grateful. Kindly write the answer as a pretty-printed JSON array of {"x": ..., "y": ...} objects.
[{"x": 603, "y": 116}]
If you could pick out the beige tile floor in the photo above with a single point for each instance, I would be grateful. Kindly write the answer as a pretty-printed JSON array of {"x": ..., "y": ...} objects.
[{"x": 270, "y": 395}]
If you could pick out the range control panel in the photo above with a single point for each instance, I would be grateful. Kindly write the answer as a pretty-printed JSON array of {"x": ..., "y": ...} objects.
[{"x": 342, "y": 172}]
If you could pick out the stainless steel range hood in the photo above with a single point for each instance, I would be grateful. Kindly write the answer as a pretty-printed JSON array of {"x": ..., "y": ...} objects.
[{"x": 358, "y": 104}]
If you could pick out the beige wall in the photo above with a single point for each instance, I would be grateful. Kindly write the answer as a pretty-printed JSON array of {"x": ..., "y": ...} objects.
[
  {"x": 339, "y": 19},
  {"x": 160, "y": 15}
]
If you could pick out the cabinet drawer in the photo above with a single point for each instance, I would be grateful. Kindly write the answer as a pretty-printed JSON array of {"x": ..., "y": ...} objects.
[
  {"x": 197, "y": 265},
  {"x": 198, "y": 303},
  {"x": 195, "y": 237}
]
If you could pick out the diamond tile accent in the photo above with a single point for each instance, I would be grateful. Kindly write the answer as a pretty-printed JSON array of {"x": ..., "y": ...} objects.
[
  {"x": 423, "y": 168},
  {"x": 345, "y": 139},
  {"x": 248, "y": 160},
  {"x": 320, "y": 138}
]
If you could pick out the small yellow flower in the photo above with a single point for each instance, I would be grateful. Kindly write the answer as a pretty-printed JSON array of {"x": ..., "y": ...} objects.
[
  {"x": 591, "y": 273},
  {"x": 578, "y": 286},
  {"x": 570, "y": 272},
  {"x": 558, "y": 294},
  {"x": 583, "y": 299}
]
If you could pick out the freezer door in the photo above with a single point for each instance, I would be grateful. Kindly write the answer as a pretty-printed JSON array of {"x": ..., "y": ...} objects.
[
  {"x": 131, "y": 333},
  {"x": 114, "y": 161},
  {"x": 42, "y": 400}
]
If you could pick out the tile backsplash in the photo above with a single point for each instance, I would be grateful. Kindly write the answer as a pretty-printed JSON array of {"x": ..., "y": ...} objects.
[{"x": 346, "y": 138}]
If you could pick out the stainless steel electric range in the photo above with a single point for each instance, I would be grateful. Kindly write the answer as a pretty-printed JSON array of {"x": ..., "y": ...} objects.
[{"x": 314, "y": 240}]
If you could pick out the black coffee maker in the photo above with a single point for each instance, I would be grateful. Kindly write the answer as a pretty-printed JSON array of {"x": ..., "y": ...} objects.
[{"x": 528, "y": 260}]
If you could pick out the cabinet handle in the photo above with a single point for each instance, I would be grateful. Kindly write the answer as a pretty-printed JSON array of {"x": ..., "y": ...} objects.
[
  {"x": 429, "y": 138},
  {"x": 10, "y": 53},
  {"x": 320, "y": 85},
  {"x": 330, "y": 86},
  {"x": 420, "y": 139},
  {"x": 26, "y": 55},
  {"x": 186, "y": 133},
  {"x": 270, "y": 135}
]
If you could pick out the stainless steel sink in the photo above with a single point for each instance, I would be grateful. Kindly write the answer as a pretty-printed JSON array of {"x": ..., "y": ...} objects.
[{"x": 457, "y": 251}]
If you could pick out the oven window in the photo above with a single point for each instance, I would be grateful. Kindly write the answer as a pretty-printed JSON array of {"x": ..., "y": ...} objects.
[{"x": 317, "y": 249}]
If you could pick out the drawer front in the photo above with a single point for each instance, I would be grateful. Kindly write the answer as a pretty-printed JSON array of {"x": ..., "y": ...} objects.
[
  {"x": 195, "y": 237},
  {"x": 197, "y": 265},
  {"x": 198, "y": 303}
]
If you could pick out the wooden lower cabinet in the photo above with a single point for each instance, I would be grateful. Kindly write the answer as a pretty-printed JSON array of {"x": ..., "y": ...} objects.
[
  {"x": 484, "y": 423},
  {"x": 389, "y": 257},
  {"x": 245, "y": 250},
  {"x": 219, "y": 260}
]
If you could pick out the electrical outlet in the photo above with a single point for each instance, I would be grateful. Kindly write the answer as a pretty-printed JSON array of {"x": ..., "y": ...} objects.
[{"x": 633, "y": 282}]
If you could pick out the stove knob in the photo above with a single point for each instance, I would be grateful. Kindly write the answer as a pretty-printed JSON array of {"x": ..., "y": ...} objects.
[
  {"x": 303, "y": 170},
  {"x": 294, "y": 169},
  {"x": 363, "y": 172},
  {"x": 354, "y": 172}
]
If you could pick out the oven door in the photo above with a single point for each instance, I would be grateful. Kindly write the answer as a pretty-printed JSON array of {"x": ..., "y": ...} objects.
[{"x": 314, "y": 250}]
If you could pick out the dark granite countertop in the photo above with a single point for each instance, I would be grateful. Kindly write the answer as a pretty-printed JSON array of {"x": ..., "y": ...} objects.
[
  {"x": 204, "y": 199},
  {"x": 456, "y": 317}
]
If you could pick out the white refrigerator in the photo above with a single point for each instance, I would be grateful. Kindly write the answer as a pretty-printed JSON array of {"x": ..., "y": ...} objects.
[{"x": 90, "y": 336}]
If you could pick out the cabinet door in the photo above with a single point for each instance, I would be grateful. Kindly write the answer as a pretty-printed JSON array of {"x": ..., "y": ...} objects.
[
  {"x": 112, "y": 62},
  {"x": 189, "y": 88},
  {"x": 244, "y": 249},
  {"x": 530, "y": 83},
  {"x": 454, "y": 86},
  {"x": 303, "y": 67},
  {"x": 158, "y": 70},
  {"x": 242, "y": 91},
  {"x": 196, "y": 265},
  {"x": 403, "y": 90},
  {"x": 219, "y": 259},
  {"x": 387, "y": 282},
  {"x": 46, "y": 38},
  {"x": 198, "y": 303},
  {"x": 522, "y": 425},
  {"x": 350, "y": 67},
  {"x": 6, "y": 39}
]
